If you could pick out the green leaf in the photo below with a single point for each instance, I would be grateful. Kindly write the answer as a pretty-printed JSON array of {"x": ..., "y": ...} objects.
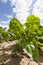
[
  {"x": 35, "y": 54},
  {"x": 16, "y": 27},
  {"x": 28, "y": 50}
]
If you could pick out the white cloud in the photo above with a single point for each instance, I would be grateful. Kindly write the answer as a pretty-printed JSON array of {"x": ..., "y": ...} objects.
[
  {"x": 22, "y": 16},
  {"x": 38, "y": 9},
  {"x": 22, "y": 5},
  {"x": 4, "y": 1},
  {"x": 4, "y": 26},
  {"x": 21, "y": 8},
  {"x": 5, "y": 23},
  {"x": 8, "y": 16},
  {"x": 12, "y": 2}
]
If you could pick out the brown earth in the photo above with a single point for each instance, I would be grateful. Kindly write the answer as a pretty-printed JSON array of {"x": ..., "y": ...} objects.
[{"x": 21, "y": 59}]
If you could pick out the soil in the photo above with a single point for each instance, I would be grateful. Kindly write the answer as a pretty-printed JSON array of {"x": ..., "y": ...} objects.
[{"x": 22, "y": 59}]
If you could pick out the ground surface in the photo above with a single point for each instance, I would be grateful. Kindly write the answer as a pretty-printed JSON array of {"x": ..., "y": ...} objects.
[{"x": 22, "y": 59}]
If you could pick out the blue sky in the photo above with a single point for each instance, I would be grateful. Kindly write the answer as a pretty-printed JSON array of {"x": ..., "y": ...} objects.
[
  {"x": 19, "y": 9},
  {"x": 4, "y": 9}
]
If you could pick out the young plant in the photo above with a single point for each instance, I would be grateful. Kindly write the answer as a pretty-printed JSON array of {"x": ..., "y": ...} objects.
[
  {"x": 6, "y": 36},
  {"x": 1, "y": 30},
  {"x": 27, "y": 35}
]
